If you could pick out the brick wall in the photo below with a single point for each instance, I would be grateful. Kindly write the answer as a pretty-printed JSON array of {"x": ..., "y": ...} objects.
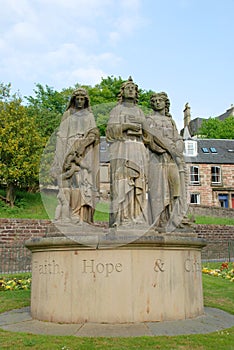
[
  {"x": 19, "y": 230},
  {"x": 215, "y": 232},
  {"x": 17, "y": 258}
]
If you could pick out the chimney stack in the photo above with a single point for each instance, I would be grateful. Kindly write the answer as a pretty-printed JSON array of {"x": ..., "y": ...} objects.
[{"x": 187, "y": 115}]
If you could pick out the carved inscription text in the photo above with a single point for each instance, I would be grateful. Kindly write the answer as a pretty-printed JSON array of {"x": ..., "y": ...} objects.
[
  {"x": 47, "y": 267},
  {"x": 106, "y": 269},
  {"x": 192, "y": 265},
  {"x": 159, "y": 266}
]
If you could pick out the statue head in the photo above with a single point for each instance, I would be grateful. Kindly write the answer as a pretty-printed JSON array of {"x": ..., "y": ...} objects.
[
  {"x": 79, "y": 95},
  {"x": 129, "y": 90},
  {"x": 156, "y": 105}
]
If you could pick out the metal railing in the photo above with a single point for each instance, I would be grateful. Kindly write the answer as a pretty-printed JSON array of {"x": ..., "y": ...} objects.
[
  {"x": 14, "y": 258},
  {"x": 218, "y": 251}
]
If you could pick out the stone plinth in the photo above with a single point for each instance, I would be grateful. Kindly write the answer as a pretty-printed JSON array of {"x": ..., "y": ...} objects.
[{"x": 152, "y": 279}]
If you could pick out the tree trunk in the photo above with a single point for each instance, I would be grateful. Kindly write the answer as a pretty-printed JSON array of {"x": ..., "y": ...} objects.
[{"x": 10, "y": 194}]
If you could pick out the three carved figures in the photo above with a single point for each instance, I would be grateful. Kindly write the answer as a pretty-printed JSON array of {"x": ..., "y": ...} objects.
[{"x": 147, "y": 169}]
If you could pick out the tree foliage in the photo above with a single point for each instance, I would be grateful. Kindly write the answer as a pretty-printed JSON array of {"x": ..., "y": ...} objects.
[
  {"x": 214, "y": 128},
  {"x": 20, "y": 146},
  {"x": 104, "y": 97},
  {"x": 47, "y": 105},
  {"x": 25, "y": 129},
  {"x": 105, "y": 92}
]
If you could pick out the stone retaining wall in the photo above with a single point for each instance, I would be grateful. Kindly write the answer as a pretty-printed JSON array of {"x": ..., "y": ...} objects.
[{"x": 204, "y": 210}]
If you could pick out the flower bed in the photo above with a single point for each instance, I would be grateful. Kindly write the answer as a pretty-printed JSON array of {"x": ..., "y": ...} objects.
[
  {"x": 226, "y": 271},
  {"x": 8, "y": 283}
]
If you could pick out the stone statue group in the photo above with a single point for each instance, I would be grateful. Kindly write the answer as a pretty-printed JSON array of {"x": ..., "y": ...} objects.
[{"x": 147, "y": 168}]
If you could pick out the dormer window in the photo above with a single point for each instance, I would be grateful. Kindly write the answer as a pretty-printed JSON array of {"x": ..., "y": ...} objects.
[{"x": 190, "y": 148}]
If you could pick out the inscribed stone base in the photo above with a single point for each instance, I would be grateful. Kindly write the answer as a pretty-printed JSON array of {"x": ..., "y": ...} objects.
[{"x": 152, "y": 279}]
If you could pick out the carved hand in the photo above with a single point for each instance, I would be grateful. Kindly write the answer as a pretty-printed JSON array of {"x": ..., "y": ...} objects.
[{"x": 134, "y": 127}]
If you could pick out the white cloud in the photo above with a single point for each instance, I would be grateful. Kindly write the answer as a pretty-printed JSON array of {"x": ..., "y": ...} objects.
[
  {"x": 128, "y": 21},
  {"x": 63, "y": 41},
  {"x": 86, "y": 35},
  {"x": 66, "y": 53},
  {"x": 114, "y": 37},
  {"x": 131, "y": 4},
  {"x": 13, "y": 10},
  {"x": 2, "y": 44},
  {"x": 76, "y": 8},
  {"x": 83, "y": 76},
  {"x": 24, "y": 33},
  {"x": 71, "y": 54}
]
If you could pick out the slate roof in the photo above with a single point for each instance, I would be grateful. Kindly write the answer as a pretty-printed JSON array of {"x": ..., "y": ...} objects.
[
  {"x": 224, "y": 155},
  {"x": 229, "y": 112}
]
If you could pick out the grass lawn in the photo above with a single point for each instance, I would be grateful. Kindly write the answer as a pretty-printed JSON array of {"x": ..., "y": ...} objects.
[
  {"x": 27, "y": 206},
  {"x": 41, "y": 206},
  {"x": 32, "y": 206},
  {"x": 218, "y": 293},
  {"x": 210, "y": 220}
]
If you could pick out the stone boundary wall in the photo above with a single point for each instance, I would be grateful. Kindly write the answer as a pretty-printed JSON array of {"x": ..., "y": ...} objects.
[{"x": 204, "y": 210}]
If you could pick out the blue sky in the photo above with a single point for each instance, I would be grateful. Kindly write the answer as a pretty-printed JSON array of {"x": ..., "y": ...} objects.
[{"x": 183, "y": 47}]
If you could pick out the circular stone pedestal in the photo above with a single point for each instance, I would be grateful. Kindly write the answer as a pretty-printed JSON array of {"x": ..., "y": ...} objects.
[{"x": 153, "y": 279}]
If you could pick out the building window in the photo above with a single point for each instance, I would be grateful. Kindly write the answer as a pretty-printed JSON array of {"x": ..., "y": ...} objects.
[
  {"x": 215, "y": 174},
  {"x": 194, "y": 175},
  {"x": 190, "y": 148},
  {"x": 205, "y": 150},
  {"x": 195, "y": 198}
]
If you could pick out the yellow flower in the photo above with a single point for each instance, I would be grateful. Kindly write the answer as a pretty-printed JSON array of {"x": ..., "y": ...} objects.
[
  {"x": 214, "y": 273},
  {"x": 205, "y": 270}
]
